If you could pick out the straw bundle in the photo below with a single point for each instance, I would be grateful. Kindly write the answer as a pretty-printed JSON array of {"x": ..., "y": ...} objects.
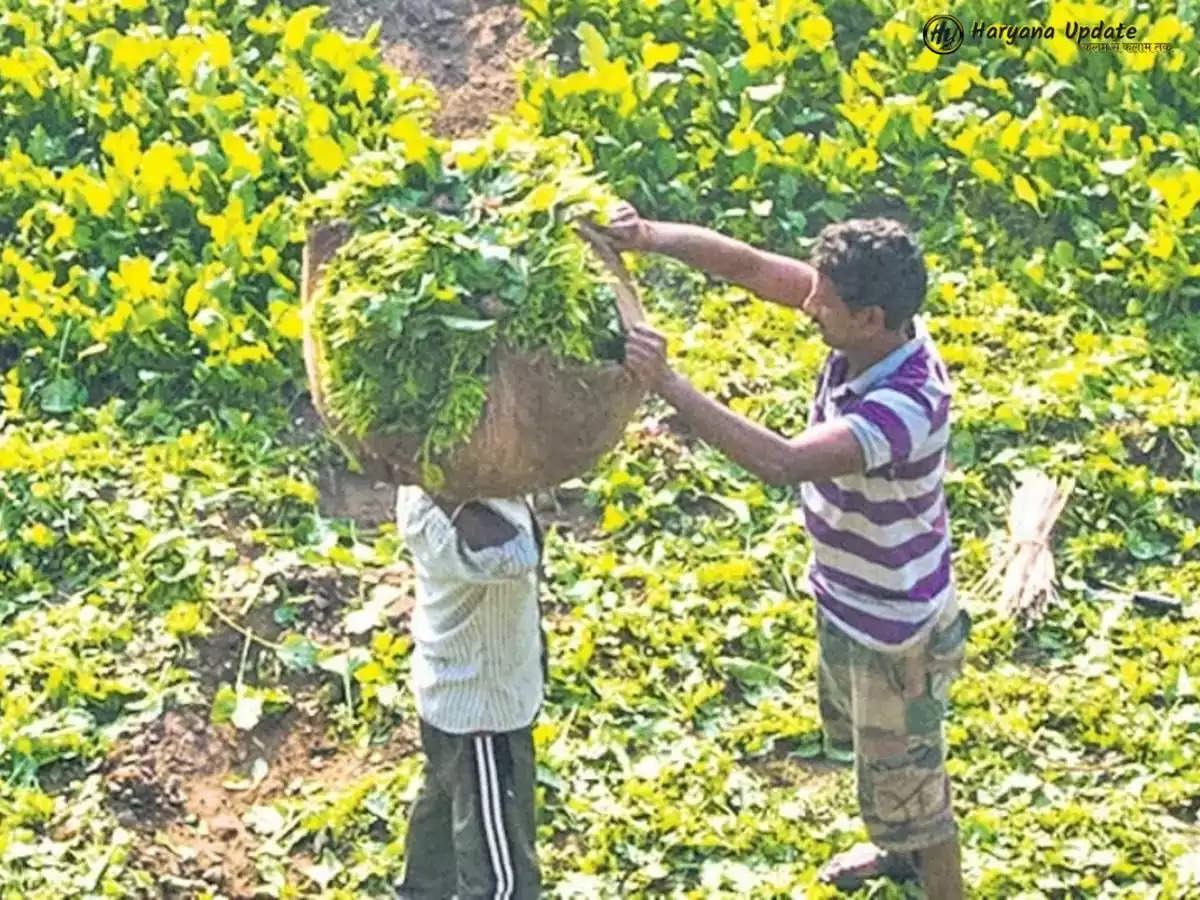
[{"x": 1023, "y": 574}]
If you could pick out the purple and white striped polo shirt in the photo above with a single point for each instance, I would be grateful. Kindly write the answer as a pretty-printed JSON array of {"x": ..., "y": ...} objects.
[{"x": 881, "y": 539}]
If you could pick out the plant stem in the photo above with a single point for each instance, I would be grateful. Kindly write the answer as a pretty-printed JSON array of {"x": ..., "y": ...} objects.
[{"x": 244, "y": 632}]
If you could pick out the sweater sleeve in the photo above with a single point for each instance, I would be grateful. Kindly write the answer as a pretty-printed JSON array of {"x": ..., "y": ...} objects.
[{"x": 441, "y": 551}]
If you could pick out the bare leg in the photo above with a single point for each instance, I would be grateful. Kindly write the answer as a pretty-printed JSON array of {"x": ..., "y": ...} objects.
[{"x": 941, "y": 870}]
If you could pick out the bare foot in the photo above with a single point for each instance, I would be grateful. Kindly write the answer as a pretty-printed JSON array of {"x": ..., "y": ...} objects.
[{"x": 851, "y": 870}]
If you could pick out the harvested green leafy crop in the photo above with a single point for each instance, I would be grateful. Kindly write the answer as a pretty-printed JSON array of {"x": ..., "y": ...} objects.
[{"x": 451, "y": 255}]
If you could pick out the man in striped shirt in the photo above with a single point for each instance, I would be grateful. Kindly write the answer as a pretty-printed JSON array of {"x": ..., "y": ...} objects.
[{"x": 871, "y": 466}]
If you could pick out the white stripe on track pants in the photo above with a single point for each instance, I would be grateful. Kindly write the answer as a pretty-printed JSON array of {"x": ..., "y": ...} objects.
[{"x": 471, "y": 831}]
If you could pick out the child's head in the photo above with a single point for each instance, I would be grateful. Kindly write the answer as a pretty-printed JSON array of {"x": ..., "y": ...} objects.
[{"x": 877, "y": 274}]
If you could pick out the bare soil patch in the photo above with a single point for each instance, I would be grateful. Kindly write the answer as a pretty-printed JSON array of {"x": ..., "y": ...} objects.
[
  {"x": 186, "y": 783},
  {"x": 173, "y": 781},
  {"x": 467, "y": 48}
]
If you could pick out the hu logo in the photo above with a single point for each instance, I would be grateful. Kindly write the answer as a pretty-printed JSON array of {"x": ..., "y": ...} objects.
[{"x": 943, "y": 34}]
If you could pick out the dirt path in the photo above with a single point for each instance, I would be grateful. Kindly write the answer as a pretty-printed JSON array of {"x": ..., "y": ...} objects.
[{"x": 467, "y": 48}]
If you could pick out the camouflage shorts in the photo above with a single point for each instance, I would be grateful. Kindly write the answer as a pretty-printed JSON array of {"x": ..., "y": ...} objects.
[{"x": 890, "y": 707}]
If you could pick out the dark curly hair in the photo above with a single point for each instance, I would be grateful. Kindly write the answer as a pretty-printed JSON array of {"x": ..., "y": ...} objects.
[{"x": 873, "y": 262}]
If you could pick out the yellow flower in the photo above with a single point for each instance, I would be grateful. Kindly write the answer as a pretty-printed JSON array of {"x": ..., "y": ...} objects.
[
  {"x": 93, "y": 192},
  {"x": 470, "y": 155},
  {"x": 286, "y": 317},
  {"x": 861, "y": 68},
  {"x": 864, "y": 159},
  {"x": 333, "y": 50},
  {"x": 159, "y": 169},
  {"x": 543, "y": 197},
  {"x": 817, "y": 32},
  {"x": 1040, "y": 149},
  {"x": 956, "y": 84},
  {"x": 1160, "y": 242},
  {"x": 251, "y": 353},
  {"x": 593, "y": 50},
  {"x": 926, "y": 61},
  {"x": 898, "y": 32},
  {"x": 655, "y": 54},
  {"x": 259, "y": 25},
  {"x": 734, "y": 571},
  {"x": 230, "y": 103},
  {"x": 299, "y": 26},
  {"x": 1024, "y": 191},
  {"x": 746, "y": 13},
  {"x": 241, "y": 157},
  {"x": 794, "y": 143},
  {"x": 132, "y": 52},
  {"x": 220, "y": 53},
  {"x": 185, "y": 50},
  {"x": 580, "y": 82},
  {"x": 131, "y": 103},
  {"x": 317, "y": 120},
  {"x": 11, "y": 392},
  {"x": 38, "y": 535},
  {"x": 614, "y": 77},
  {"x": 1010, "y": 137},
  {"x": 1179, "y": 190},
  {"x": 361, "y": 82},
  {"x": 13, "y": 452},
  {"x": 921, "y": 117},
  {"x": 1064, "y": 51},
  {"x": 232, "y": 226},
  {"x": 1065, "y": 379},
  {"x": 124, "y": 148},
  {"x": 134, "y": 279},
  {"x": 1164, "y": 31},
  {"x": 964, "y": 141},
  {"x": 325, "y": 155},
  {"x": 614, "y": 518},
  {"x": 183, "y": 618},
  {"x": 759, "y": 56},
  {"x": 64, "y": 227},
  {"x": 417, "y": 142}
]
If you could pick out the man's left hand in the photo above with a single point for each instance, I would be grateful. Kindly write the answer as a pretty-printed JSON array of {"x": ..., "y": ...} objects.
[
  {"x": 646, "y": 356},
  {"x": 628, "y": 230}
]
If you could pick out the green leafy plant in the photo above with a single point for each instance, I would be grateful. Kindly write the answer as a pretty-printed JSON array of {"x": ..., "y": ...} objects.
[
  {"x": 681, "y": 715},
  {"x": 475, "y": 249},
  {"x": 152, "y": 153}
]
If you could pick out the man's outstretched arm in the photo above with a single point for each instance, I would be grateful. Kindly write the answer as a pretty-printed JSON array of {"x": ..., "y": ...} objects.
[
  {"x": 772, "y": 276},
  {"x": 821, "y": 452}
]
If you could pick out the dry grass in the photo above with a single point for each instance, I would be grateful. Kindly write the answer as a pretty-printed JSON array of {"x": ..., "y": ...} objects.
[{"x": 1022, "y": 577}]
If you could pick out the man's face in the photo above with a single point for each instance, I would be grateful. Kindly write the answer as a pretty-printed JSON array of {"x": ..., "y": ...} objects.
[{"x": 841, "y": 327}]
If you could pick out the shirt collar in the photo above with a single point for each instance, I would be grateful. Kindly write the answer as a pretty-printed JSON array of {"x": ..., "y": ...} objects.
[{"x": 886, "y": 366}]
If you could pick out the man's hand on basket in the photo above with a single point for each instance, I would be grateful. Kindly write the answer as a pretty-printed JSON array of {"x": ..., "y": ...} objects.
[
  {"x": 646, "y": 357},
  {"x": 628, "y": 230}
]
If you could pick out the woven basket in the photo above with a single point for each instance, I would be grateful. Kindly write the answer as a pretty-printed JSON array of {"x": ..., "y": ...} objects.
[{"x": 545, "y": 421}]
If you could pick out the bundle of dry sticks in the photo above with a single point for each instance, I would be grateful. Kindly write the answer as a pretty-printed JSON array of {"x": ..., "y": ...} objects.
[{"x": 1023, "y": 573}]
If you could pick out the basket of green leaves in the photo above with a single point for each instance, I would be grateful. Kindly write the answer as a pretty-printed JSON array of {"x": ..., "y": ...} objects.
[{"x": 463, "y": 329}]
